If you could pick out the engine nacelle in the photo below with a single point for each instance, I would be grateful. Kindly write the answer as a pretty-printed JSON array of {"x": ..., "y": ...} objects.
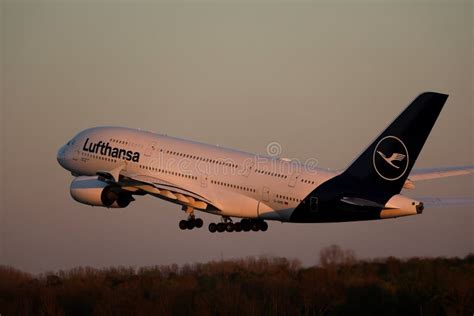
[{"x": 92, "y": 191}]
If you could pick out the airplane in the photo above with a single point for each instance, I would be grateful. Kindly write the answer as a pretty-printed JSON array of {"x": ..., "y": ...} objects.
[{"x": 113, "y": 165}]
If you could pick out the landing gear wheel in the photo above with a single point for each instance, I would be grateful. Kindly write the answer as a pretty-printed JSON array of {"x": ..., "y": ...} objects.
[
  {"x": 255, "y": 227},
  {"x": 263, "y": 226},
  {"x": 221, "y": 227},
  {"x": 198, "y": 223},
  {"x": 237, "y": 227},
  {"x": 212, "y": 227},
  {"x": 245, "y": 224},
  {"x": 229, "y": 227},
  {"x": 183, "y": 224},
  {"x": 191, "y": 223}
]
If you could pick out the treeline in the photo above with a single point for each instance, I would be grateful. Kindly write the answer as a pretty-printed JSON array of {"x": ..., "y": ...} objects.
[{"x": 339, "y": 285}]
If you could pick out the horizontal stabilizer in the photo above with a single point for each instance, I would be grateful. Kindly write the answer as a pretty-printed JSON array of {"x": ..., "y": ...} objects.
[
  {"x": 362, "y": 202},
  {"x": 441, "y": 172},
  {"x": 431, "y": 201}
]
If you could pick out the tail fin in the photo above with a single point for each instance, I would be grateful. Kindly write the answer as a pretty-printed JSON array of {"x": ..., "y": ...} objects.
[
  {"x": 363, "y": 189},
  {"x": 381, "y": 170}
]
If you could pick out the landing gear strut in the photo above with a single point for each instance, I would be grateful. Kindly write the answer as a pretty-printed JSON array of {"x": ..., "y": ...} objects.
[
  {"x": 244, "y": 225},
  {"x": 192, "y": 222}
]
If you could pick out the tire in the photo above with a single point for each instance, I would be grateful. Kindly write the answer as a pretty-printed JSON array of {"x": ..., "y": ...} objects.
[
  {"x": 221, "y": 227},
  {"x": 263, "y": 226},
  {"x": 198, "y": 223},
  {"x": 212, "y": 227},
  {"x": 229, "y": 227},
  {"x": 255, "y": 227},
  {"x": 183, "y": 224},
  {"x": 237, "y": 227},
  {"x": 191, "y": 224},
  {"x": 245, "y": 224}
]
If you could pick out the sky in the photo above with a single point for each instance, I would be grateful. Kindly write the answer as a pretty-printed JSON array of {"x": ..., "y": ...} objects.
[{"x": 320, "y": 78}]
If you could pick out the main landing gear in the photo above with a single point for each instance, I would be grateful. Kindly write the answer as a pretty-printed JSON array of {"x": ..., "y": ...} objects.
[
  {"x": 192, "y": 222},
  {"x": 244, "y": 225}
]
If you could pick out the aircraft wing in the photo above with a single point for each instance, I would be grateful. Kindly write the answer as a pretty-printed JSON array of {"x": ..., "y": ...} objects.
[
  {"x": 150, "y": 185},
  {"x": 441, "y": 172}
]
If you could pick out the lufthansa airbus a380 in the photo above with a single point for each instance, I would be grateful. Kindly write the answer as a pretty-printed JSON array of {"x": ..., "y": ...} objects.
[{"x": 112, "y": 165}]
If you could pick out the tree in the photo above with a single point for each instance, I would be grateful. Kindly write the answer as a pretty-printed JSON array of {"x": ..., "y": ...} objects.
[{"x": 334, "y": 255}]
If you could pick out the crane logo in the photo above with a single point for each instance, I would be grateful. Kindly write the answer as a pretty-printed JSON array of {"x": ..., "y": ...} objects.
[
  {"x": 390, "y": 158},
  {"x": 393, "y": 157}
]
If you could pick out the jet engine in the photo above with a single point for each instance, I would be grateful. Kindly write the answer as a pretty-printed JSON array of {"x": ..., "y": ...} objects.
[{"x": 95, "y": 192}]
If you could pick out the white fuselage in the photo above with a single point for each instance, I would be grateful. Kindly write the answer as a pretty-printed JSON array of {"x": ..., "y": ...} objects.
[{"x": 239, "y": 184}]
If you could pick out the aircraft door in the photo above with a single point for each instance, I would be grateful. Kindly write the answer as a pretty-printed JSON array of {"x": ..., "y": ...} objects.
[
  {"x": 248, "y": 166},
  {"x": 313, "y": 204},
  {"x": 294, "y": 177},
  {"x": 203, "y": 180},
  {"x": 150, "y": 149},
  {"x": 265, "y": 194},
  {"x": 75, "y": 154}
]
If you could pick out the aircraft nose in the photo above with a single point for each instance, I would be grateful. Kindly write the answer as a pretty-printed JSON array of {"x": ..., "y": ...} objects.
[{"x": 61, "y": 156}]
